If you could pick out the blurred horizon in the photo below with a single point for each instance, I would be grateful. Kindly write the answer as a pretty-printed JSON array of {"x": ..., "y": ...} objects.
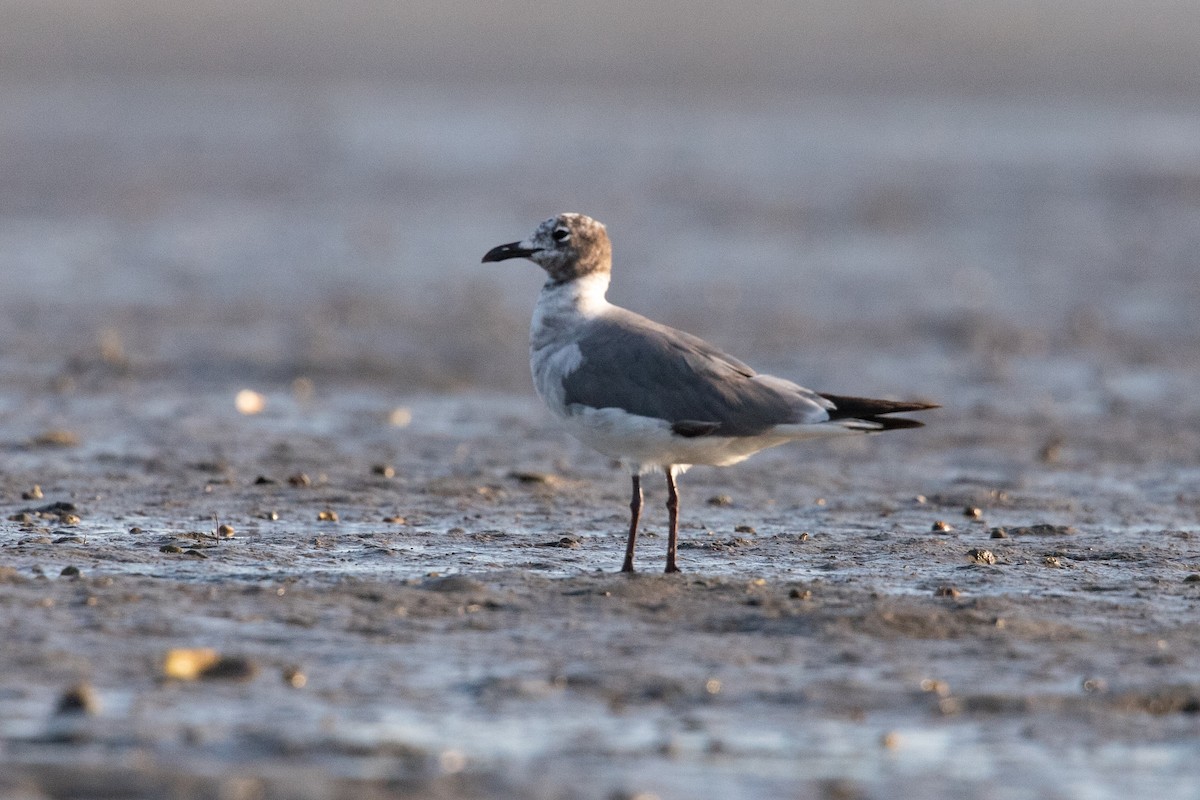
[
  {"x": 972, "y": 199},
  {"x": 1010, "y": 46}
]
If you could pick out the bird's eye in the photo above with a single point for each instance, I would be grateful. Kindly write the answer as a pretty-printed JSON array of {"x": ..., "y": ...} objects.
[{"x": 561, "y": 234}]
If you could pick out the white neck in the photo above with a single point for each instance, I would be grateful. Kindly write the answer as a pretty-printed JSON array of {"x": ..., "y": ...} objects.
[
  {"x": 584, "y": 295},
  {"x": 563, "y": 307}
]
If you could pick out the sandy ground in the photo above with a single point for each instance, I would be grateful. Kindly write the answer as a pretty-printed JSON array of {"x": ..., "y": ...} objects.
[
  {"x": 415, "y": 591},
  {"x": 460, "y": 630}
]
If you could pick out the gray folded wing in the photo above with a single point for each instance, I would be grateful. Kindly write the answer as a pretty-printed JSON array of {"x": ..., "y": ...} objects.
[{"x": 637, "y": 365}]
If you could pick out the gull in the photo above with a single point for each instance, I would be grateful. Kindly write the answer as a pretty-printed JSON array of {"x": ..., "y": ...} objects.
[{"x": 653, "y": 397}]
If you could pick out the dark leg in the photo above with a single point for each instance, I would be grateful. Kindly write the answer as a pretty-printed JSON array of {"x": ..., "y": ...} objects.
[
  {"x": 673, "y": 516},
  {"x": 635, "y": 508}
]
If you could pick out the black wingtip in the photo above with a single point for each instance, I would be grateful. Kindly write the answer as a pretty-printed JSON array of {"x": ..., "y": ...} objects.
[
  {"x": 870, "y": 410},
  {"x": 895, "y": 423}
]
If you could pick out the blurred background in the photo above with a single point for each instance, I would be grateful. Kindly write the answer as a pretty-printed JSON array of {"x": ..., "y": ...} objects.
[{"x": 997, "y": 203}]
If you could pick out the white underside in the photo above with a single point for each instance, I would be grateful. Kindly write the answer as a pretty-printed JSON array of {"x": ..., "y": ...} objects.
[{"x": 645, "y": 443}]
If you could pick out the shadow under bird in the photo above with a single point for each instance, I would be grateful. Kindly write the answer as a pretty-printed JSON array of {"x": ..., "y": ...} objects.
[{"x": 654, "y": 397}]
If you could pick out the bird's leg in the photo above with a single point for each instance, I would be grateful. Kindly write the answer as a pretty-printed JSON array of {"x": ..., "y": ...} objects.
[
  {"x": 635, "y": 508},
  {"x": 673, "y": 517}
]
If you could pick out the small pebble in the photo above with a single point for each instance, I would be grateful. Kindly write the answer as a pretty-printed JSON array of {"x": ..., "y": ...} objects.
[
  {"x": 565, "y": 541},
  {"x": 941, "y": 526},
  {"x": 170, "y": 548},
  {"x": 249, "y": 402},
  {"x": 79, "y": 699},
  {"x": 971, "y": 512},
  {"x": 999, "y": 533},
  {"x": 800, "y": 594},
  {"x": 273, "y": 516},
  {"x": 1193, "y": 578},
  {"x": 981, "y": 556},
  {"x": 230, "y": 668},
  {"x": 1051, "y": 451},
  {"x": 1052, "y": 561},
  {"x": 720, "y": 500},
  {"x": 891, "y": 740},
  {"x": 744, "y": 529},
  {"x": 946, "y": 591},
  {"x": 70, "y": 572},
  {"x": 526, "y": 476},
  {"x": 57, "y": 437},
  {"x": 384, "y": 470},
  {"x": 33, "y": 494},
  {"x": 293, "y": 677},
  {"x": 186, "y": 663},
  {"x": 191, "y": 663},
  {"x": 299, "y": 479},
  {"x": 327, "y": 515},
  {"x": 950, "y": 706},
  {"x": 263, "y": 480},
  {"x": 394, "y": 520},
  {"x": 303, "y": 388},
  {"x": 135, "y": 530},
  {"x": 225, "y": 531}
]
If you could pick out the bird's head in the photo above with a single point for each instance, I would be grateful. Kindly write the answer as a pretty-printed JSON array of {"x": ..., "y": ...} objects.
[{"x": 567, "y": 246}]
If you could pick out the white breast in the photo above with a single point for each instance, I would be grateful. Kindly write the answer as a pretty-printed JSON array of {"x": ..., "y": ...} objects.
[
  {"x": 550, "y": 365},
  {"x": 561, "y": 312}
]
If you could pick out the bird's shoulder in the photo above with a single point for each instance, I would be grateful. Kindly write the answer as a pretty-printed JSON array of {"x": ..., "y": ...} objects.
[{"x": 621, "y": 335}]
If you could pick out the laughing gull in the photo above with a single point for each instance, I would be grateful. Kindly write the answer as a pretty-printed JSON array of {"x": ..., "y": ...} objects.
[{"x": 654, "y": 397}]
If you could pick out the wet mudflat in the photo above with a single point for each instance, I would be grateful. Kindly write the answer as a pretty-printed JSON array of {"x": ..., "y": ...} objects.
[
  {"x": 433, "y": 610},
  {"x": 384, "y": 572}
]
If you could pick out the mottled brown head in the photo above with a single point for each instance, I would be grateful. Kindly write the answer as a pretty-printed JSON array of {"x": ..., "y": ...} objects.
[{"x": 568, "y": 246}]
